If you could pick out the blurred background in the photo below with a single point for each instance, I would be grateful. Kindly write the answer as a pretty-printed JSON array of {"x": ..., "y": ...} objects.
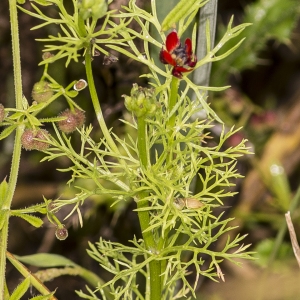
[{"x": 264, "y": 99}]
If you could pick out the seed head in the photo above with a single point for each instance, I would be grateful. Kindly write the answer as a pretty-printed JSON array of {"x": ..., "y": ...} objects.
[
  {"x": 73, "y": 119},
  {"x": 29, "y": 142},
  {"x": 41, "y": 91}
]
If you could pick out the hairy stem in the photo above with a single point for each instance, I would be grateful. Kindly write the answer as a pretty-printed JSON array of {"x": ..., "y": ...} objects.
[
  {"x": 26, "y": 273},
  {"x": 144, "y": 218},
  {"x": 173, "y": 99},
  {"x": 96, "y": 103},
  {"x": 142, "y": 146},
  {"x": 17, "y": 143}
]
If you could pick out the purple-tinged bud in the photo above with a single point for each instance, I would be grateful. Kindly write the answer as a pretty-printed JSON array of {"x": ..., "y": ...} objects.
[
  {"x": 80, "y": 85},
  {"x": 29, "y": 142},
  {"x": 47, "y": 55},
  {"x": 61, "y": 232},
  {"x": 42, "y": 134},
  {"x": 73, "y": 119}
]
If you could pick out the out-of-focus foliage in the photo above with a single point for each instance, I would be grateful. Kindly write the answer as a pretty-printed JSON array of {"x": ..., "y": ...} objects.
[{"x": 271, "y": 19}]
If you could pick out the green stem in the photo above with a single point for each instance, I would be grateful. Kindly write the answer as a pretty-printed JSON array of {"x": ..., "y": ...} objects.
[
  {"x": 142, "y": 137},
  {"x": 171, "y": 122},
  {"x": 283, "y": 228},
  {"x": 96, "y": 103},
  {"x": 26, "y": 273},
  {"x": 173, "y": 100},
  {"x": 144, "y": 218},
  {"x": 17, "y": 143},
  {"x": 81, "y": 26}
]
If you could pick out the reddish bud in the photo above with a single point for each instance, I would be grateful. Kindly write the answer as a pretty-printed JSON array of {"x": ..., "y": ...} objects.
[
  {"x": 29, "y": 139},
  {"x": 73, "y": 119},
  {"x": 61, "y": 232},
  {"x": 47, "y": 55},
  {"x": 41, "y": 134},
  {"x": 80, "y": 85}
]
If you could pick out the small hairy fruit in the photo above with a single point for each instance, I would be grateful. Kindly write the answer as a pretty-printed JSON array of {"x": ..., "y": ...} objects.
[
  {"x": 73, "y": 119},
  {"x": 29, "y": 139},
  {"x": 2, "y": 113},
  {"x": 41, "y": 91}
]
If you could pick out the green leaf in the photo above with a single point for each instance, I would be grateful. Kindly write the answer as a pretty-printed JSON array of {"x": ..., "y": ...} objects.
[
  {"x": 21, "y": 289},
  {"x": 45, "y": 260},
  {"x": 7, "y": 131},
  {"x": 34, "y": 121},
  {"x": 52, "y": 119},
  {"x": 42, "y": 2},
  {"x": 32, "y": 209},
  {"x": 3, "y": 191},
  {"x": 43, "y": 297},
  {"x": 279, "y": 185},
  {"x": 72, "y": 94},
  {"x": 180, "y": 11},
  {"x": 25, "y": 103},
  {"x": 34, "y": 221},
  {"x": 16, "y": 115},
  {"x": 37, "y": 106}
]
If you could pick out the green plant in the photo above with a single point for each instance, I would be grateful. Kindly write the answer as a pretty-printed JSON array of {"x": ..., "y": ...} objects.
[{"x": 178, "y": 227}]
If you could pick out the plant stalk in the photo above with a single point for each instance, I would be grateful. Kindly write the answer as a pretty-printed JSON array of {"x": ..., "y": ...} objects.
[
  {"x": 33, "y": 280},
  {"x": 155, "y": 265},
  {"x": 96, "y": 103},
  {"x": 17, "y": 142},
  {"x": 173, "y": 99}
]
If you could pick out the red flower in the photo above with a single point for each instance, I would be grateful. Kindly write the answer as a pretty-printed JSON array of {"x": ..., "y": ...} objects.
[{"x": 181, "y": 57}]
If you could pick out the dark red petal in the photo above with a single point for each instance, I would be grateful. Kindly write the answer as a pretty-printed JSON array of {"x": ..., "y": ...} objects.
[
  {"x": 182, "y": 69},
  {"x": 192, "y": 62},
  {"x": 166, "y": 58},
  {"x": 172, "y": 41},
  {"x": 178, "y": 70},
  {"x": 176, "y": 73},
  {"x": 188, "y": 46}
]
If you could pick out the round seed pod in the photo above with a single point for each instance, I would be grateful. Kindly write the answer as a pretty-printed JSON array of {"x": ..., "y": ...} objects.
[
  {"x": 80, "y": 85},
  {"x": 41, "y": 134},
  {"x": 41, "y": 92},
  {"x": 193, "y": 203},
  {"x": 29, "y": 142},
  {"x": 73, "y": 119},
  {"x": 61, "y": 232},
  {"x": 27, "y": 139}
]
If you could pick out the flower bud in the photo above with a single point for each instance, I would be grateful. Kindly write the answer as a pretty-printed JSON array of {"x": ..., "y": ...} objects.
[
  {"x": 73, "y": 119},
  {"x": 2, "y": 113},
  {"x": 190, "y": 203},
  {"x": 41, "y": 91},
  {"x": 109, "y": 59},
  {"x": 47, "y": 55},
  {"x": 61, "y": 232},
  {"x": 93, "y": 8},
  {"x": 41, "y": 134},
  {"x": 29, "y": 142},
  {"x": 80, "y": 85},
  {"x": 179, "y": 203},
  {"x": 193, "y": 203},
  {"x": 141, "y": 101}
]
